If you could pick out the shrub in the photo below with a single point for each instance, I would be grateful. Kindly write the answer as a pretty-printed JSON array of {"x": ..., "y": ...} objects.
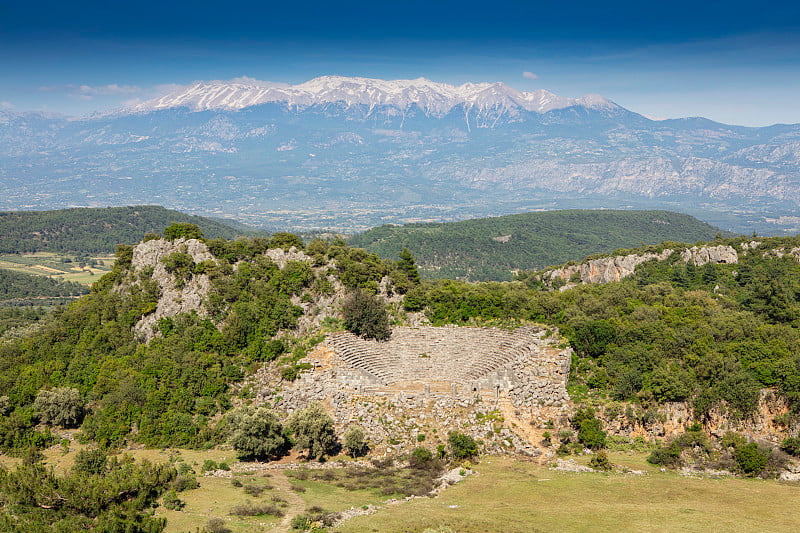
[
  {"x": 312, "y": 428},
  {"x": 590, "y": 433},
  {"x": 256, "y": 432},
  {"x": 365, "y": 315},
  {"x": 92, "y": 461},
  {"x": 171, "y": 501},
  {"x": 750, "y": 459},
  {"x": 5, "y": 405},
  {"x": 209, "y": 465},
  {"x": 599, "y": 461},
  {"x": 217, "y": 525},
  {"x": 59, "y": 407},
  {"x": 791, "y": 445},
  {"x": 420, "y": 457},
  {"x": 354, "y": 441},
  {"x": 257, "y": 509},
  {"x": 669, "y": 456},
  {"x": 254, "y": 490},
  {"x": 462, "y": 446}
]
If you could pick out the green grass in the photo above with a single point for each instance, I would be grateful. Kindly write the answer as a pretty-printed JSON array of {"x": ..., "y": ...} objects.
[
  {"x": 503, "y": 495},
  {"x": 514, "y": 496}
]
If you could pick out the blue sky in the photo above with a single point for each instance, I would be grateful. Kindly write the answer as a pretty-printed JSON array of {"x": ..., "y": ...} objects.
[{"x": 736, "y": 62}]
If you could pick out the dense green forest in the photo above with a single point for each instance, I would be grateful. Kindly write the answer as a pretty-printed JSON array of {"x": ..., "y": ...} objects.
[
  {"x": 489, "y": 249},
  {"x": 95, "y": 230},
  {"x": 165, "y": 392},
  {"x": 19, "y": 285}
]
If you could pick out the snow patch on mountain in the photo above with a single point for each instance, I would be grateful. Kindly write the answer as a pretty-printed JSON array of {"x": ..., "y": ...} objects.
[{"x": 434, "y": 98}]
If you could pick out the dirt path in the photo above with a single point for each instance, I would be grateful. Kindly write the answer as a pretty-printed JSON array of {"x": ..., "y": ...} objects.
[{"x": 282, "y": 485}]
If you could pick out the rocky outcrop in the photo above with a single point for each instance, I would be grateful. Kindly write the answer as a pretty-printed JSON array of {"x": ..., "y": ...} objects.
[
  {"x": 615, "y": 268},
  {"x": 280, "y": 256},
  {"x": 700, "y": 255},
  {"x": 176, "y": 294},
  {"x": 605, "y": 269}
]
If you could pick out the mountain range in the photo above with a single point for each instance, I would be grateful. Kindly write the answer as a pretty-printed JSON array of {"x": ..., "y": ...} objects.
[{"x": 350, "y": 153}]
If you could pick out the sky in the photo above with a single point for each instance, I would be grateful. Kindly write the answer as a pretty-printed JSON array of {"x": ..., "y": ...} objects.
[{"x": 734, "y": 62}]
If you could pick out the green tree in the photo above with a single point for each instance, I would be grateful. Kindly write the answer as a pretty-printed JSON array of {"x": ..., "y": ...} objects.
[
  {"x": 408, "y": 266},
  {"x": 354, "y": 441},
  {"x": 60, "y": 407},
  {"x": 256, "y": 432},
  {"x": 365, "y": 315},
  {"x": 312, "y": 430},
  {"x": 185, "y": 230},
  {"x": 285, "y": 240}
]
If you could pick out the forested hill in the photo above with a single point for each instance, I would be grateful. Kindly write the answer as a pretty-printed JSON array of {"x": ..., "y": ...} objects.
[
  {"x": 491, "y": 248},
  {"x": 94, "y": 230},
  {"x": 19, "y": 285}
]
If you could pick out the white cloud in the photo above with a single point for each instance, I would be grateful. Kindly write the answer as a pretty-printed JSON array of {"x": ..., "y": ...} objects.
[
  {"x": 529, "y": 75},
  {"x": 108, "y": 90},
  {"x": 88, "y": 92},
  {"x": 6, "y": 105}
]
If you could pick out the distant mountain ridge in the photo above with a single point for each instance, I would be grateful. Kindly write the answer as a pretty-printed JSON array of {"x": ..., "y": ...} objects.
[
  {"x": 492, "y": 248},
  {"x": 348, "y": 154},
  {"x": 434, "y": 99}
]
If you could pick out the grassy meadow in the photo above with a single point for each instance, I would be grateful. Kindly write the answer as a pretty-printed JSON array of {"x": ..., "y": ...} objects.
[{"x": 504, "y": 494}]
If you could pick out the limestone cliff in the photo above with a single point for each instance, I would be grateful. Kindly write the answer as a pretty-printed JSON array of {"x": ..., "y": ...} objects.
[
  {"x": 615, "y": 268},
  {"x": 177, "y": 294}
]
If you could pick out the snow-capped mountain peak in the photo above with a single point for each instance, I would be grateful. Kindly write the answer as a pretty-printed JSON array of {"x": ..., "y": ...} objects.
[{"x": 434, "y": 98}]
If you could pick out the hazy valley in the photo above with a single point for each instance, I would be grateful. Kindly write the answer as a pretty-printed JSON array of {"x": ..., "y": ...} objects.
[{"x": 347, "y": 154}]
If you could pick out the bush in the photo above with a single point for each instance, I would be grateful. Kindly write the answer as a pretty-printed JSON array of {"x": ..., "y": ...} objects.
[
  {"x": 462, "y": 446},
  {"x": 750, "y": 459},
  {"x": 791, "y": 445},
  {"x": 171, "y": 501},
  {"x": 312, "y": 429},
  {"x": 256, "y": 432},
  {"x": 590, "y": 432},
  {"x": 5, "y": 405},
  {"x": 365, "y": 315},
  {"x": 90, "y": 462},
  {"x": 217, "y": 525},
  {"x": 257, "y": 509},
  {"x": 59, "y": 407},
  {"x": 669, "y": 456},
  {"x": 420, "y": 457},
  {"x": 599, "y": 461}
]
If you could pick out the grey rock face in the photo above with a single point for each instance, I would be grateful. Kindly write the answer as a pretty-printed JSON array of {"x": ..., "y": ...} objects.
[{"x": 175, "y": 296}]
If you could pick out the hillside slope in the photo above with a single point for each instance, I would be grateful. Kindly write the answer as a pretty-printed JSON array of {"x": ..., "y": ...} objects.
[
  {"x": 94, "y": 230},
  {"x": 491, "y": 248}
]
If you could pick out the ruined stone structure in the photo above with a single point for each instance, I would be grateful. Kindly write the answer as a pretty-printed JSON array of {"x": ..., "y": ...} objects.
[{"x": 499, "y": 386}]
